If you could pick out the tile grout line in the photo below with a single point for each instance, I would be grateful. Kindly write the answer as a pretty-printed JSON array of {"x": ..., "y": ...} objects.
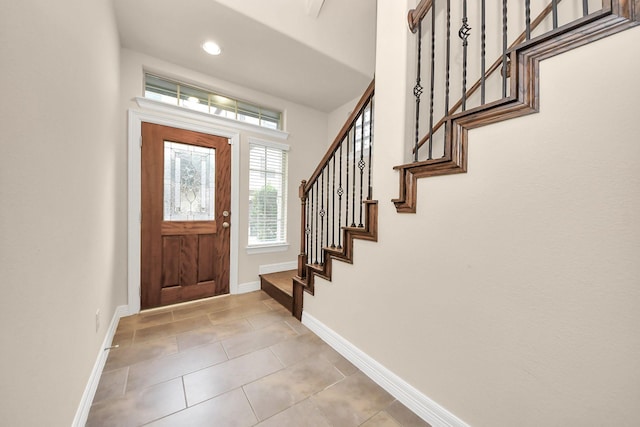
[
  {"x": 292, "y": 328},
  {"x": 324, "y": 414},
  {"x": 224, "y": 349},
  {"x": 126, "y": 381},
  {"x": 184, "y": 393},
  {"x": 372, "y": 416},
  {"x": 246, "y": 396},
  {"x": 278, "y": 358},
  {"x": 332, "y": 384},
  {"x": 173, "y": 413},
  {"x": 391, "y": 416}
]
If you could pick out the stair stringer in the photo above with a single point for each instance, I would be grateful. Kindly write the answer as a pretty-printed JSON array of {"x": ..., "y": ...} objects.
[
  {"x": 524, "y": 69},
  {"x": 345, "y": 254}
]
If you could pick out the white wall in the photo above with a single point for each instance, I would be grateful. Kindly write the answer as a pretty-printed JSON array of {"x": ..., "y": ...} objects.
[
  {"x": 511, "y": 298},
  {"x": 337, "y": 118},
  {"x": 63, "y": 210},
  {"x": 344, "y": 30},
  {"x": 307, "y": 130}
]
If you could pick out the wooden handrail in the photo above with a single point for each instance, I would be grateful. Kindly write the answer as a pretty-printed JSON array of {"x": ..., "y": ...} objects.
[
  {"x": 525, "y": 96},
  {"x": 534, "y": 24},
  {"x": 416, "y": 15},
  {"x": 341, "y": 135},
  {"x": 317, "y": 262}
]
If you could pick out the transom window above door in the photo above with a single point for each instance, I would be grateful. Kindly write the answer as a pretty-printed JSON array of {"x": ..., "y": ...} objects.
[{"x": 198, "y": 99}]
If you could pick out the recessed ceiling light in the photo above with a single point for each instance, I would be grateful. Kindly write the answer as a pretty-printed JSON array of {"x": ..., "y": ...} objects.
[{"x": 212, "y": 48}]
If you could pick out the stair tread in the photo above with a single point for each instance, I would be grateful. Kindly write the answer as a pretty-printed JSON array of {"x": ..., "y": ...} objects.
[{"x": 281, "y": 280}]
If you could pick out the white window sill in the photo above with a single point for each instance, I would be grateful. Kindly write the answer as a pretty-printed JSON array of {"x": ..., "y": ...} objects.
[{"x": 263, "y": 249}]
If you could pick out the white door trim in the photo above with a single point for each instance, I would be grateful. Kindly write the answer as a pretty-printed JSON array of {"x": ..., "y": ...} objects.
[{"x": 194, "y": 123}]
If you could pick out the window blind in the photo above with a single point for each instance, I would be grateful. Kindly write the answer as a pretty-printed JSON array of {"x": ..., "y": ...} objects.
[{"x": 267, "y": 194}]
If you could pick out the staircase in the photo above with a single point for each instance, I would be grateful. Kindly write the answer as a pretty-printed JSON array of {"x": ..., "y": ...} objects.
[
  {"x": 336, "y": 202},
  {"x": 513, "y": 77},
  {"x": 279, "y": 286}
]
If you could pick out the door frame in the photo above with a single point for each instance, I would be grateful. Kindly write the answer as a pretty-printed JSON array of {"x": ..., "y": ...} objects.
[{"x": 190, "y": 121}]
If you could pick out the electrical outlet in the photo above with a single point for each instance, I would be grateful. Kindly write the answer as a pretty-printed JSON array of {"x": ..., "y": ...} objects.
[{"x": 97, "y": 320}]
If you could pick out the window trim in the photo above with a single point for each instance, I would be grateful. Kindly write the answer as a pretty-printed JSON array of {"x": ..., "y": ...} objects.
[
  {"x": 177, "y": 111},
  {"x": 271, "y": 144},
  {"x": 189, "y": 121},
  {"x": 267, "y": 248},
  {"x": 240, "y": 107},
  {"x": 258, "y": 248}
]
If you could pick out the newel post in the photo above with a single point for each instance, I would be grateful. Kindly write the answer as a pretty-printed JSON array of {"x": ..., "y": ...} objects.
[{"x": 302, "y": 257}]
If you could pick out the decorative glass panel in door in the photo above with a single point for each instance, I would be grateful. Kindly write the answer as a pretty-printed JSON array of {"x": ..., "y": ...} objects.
[{"x": 189, "y": 182}]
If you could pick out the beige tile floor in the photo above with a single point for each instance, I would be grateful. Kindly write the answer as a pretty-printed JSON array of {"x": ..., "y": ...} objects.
[{"x": 238, "y": 360}]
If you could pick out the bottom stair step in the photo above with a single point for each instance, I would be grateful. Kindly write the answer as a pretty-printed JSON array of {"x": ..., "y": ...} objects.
[{"x": 280, "y": 287}]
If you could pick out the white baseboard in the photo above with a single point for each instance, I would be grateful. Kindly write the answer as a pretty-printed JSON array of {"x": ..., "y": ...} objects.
[
  {"x": 94, "y": 379},
  {"x": 274, "y": 268},
  {"x": 243, "y": 288},
  {"x": 408, "y": 395}
]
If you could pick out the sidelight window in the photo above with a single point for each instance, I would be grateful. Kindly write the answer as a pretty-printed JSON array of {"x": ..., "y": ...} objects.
[{"x": 267, "y": 193}]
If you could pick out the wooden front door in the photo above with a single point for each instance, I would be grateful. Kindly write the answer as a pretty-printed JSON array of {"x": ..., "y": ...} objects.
[{"x": 186, "y": 191}]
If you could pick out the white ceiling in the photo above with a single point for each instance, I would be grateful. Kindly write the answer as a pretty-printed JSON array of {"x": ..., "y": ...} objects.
[{"x": 279, "y": 47}]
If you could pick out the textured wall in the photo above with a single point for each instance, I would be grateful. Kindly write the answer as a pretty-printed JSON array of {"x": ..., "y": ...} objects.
[
  {"x": 63, "y": 209},
  {"x": 511, "y": 297}
]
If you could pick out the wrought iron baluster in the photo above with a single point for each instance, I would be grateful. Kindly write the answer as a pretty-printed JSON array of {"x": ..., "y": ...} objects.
[
  {"x": 346, "y": 213},
  {"x": 504, "y": 48},
  {"x": 417, "y": 91},
  {"x": 333, "y": 202},
  {"x": 447, "y": 65},
  {"x": 307, "y": 229},
  {"x": 483, "y": 53},
  {"x": 370, "y": 189},
  {"x": 340, "y": 192},
  {"x": 585, "y": 7},
  {"x": 433, "y": 80},
  {"x": 554, "y": 7},
  {"x": 361, "y": 163},
  {"x": 314, "y": 221},
  {"x": 318, "y": 224},
  {"x": 353, "y": 186},
  {"x": 322, "y": 215},
  {"x": 527, "y": 12},
  {"x": 328, "y": 206},
  {"x": 464, "y": 33}
]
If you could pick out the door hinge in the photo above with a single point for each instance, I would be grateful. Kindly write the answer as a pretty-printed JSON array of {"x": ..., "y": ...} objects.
[
  {"x": 140, "y": 217},
  {"x": 140, "y": 141}
]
